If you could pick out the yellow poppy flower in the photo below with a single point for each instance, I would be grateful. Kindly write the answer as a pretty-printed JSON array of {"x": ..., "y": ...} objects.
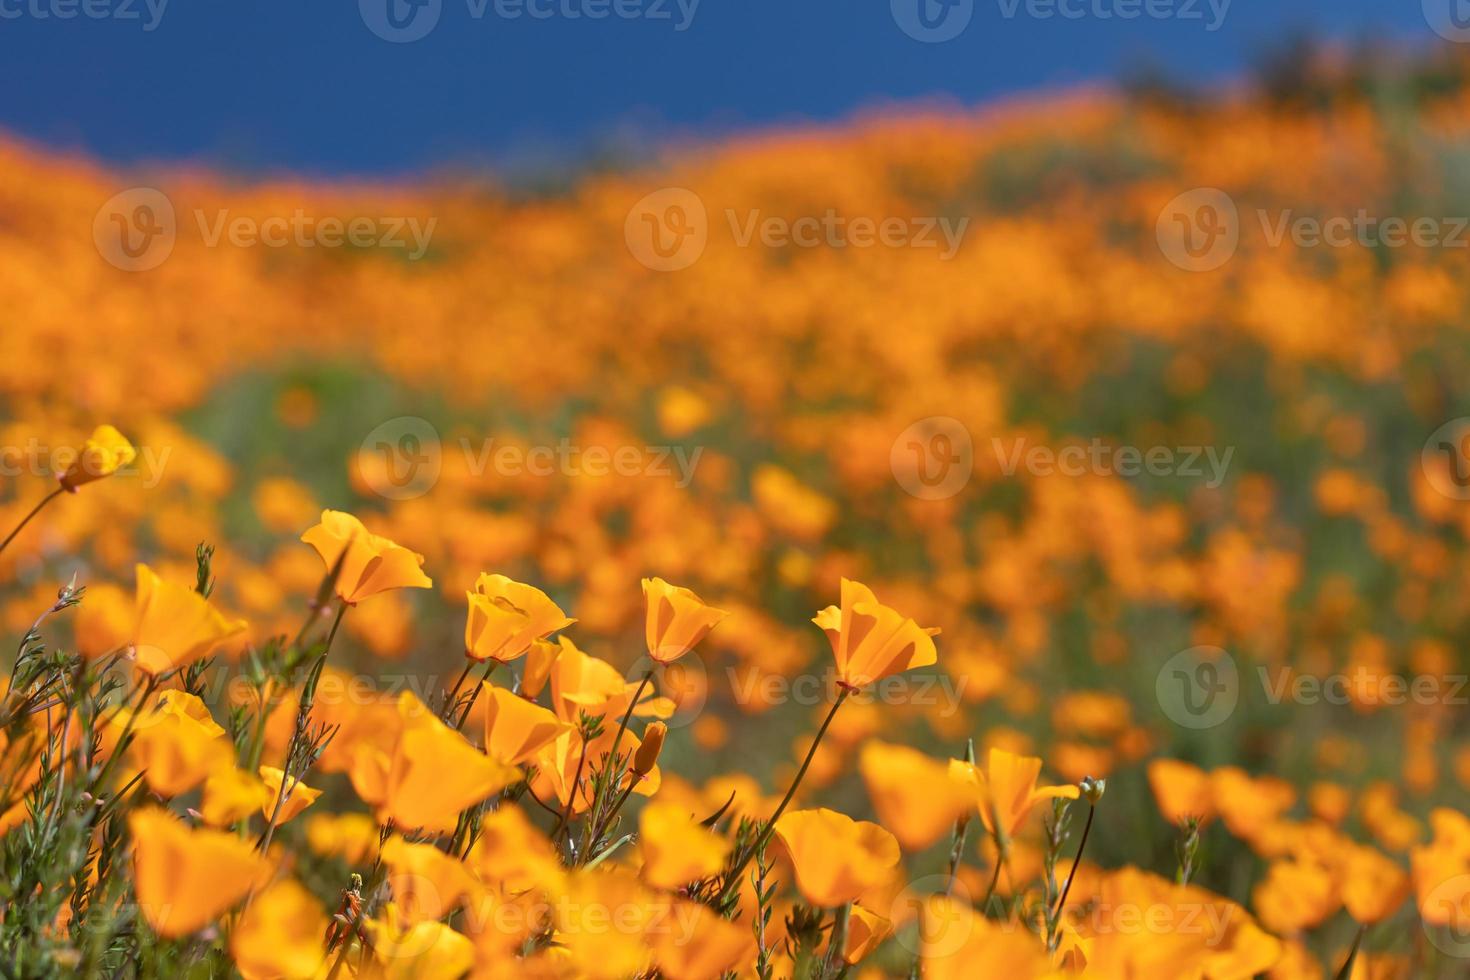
[
  {"x": 675, "y": 619},
  {"x": 870, "y": 641},
  {"x": 173, "y": 625},
  {"x": 186, "y": 878},
  {"x": 369, "y": 564}
]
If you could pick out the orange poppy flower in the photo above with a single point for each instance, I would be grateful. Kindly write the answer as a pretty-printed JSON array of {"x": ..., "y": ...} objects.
[
  {"x": 675, "y": 619},
  {"x": 865, "y": 930},
  {"x": 958, "y": 943},
  {"x": 1441, "y": 871},
  {"x": 173, "y": 625},
  {"x": 186, "y": 878},
  {"x": 298, "y": 797},
  {"x": 232, "y": 794},
  {"x": 1373, "y": 885},
  {"x": 372, "y": 564},
  {"x": 426, "y": 883},
  {"x": 104, "y": 453},
  {"x": 516, "y": 729},
  {"x": 1182, "y": 791},
  {"x": 506, "y": 616},
  {"x": 836, "y": 857},
  {"x": 676, "y": 849},
  {"x": 581, "y": 683},
  {"x": 1246, "y": 804},
  {"x": 913, "y": 795},
  {"x": 1006, "y": 788},
  {"x": 870, "y": 641},
  {"x": 693, "y": 943},
  {"x": 427, "y": 774},
  {"x": 427, "y": 950},
  {"x": 536, "y": 671},
  {"x": 279, "y": 935}
]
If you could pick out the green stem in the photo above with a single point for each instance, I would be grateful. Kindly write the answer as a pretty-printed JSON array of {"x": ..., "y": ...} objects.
[
  {"x": 27, "y": 519},
  {"x": 1076, "y": 860},
  {"x": 734, "y": 877}
]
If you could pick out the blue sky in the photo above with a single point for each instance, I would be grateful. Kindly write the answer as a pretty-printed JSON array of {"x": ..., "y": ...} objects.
[{"x": 308, "y": 86}]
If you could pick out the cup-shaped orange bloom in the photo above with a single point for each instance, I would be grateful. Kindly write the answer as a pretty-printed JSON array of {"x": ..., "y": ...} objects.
[
  {"x": 836, "y": 857},
  {"x": 1006, "y": 789},
  {"x": 1189, "y": 932},
  {"x": 512, "y": 854},
  {"x": 516, "y": 729},
  {"x": 173, "y": 625},
  {"x": 581, "y": 683},
  {"x": 423, "y": 951},
  {"x": 176, "y": 752},
  {"x": 1248, "y": 805},
  {"x": 1183, "y": 791},
  {"x": 426, "y": 883},
  {"x": 870, "y": 641},
  {"x": 298, "y": 797},
  {"x": 280, "y": 934},
  {"x": 370, "y": 564},
  {"x": 958, "y": 943},
  {"x": 1373, "y": 885},
  {"x": 607, "y": 922},
  {"x": 865, "y": 930},
  {"x": 913, "y": 795},
  {"x": 232, "y": 794},
  {"x": 1441, "y": 871},
  {"x": 696, "y": 944},
  {"x": 676, "y": 619},
  {"x": 103, "y": 454},
  {"x": 676, "y": 848},
  {"x": 506, "y": 616},
  {"x": 536, "y": 671},
  {"x": 427, "y": 773},
  {"x": 186, "y": 878}
]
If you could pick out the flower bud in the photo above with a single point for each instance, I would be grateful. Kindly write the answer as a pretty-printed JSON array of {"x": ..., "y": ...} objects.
[
  {"x": 102, "y": 455},
  {"x": 1092, "y": 789},
  {"x": 653, "y": 743}
]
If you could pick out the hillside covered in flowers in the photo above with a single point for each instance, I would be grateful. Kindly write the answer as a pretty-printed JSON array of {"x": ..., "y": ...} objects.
[{"x": 1023, "y": 542}]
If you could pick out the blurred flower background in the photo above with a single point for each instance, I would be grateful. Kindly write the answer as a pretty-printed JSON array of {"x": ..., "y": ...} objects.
[{"x": 1148, "y": 395}]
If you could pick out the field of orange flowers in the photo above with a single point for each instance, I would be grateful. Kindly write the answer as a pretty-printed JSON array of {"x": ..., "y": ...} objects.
[{"x": 1062, "y": 599}]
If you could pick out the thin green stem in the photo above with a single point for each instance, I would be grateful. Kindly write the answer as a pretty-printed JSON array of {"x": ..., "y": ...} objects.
[
  {"x": 765, "y": 835},
  {"x": 27, "y": 519},
  {"x": 1076, "y": 860}
]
